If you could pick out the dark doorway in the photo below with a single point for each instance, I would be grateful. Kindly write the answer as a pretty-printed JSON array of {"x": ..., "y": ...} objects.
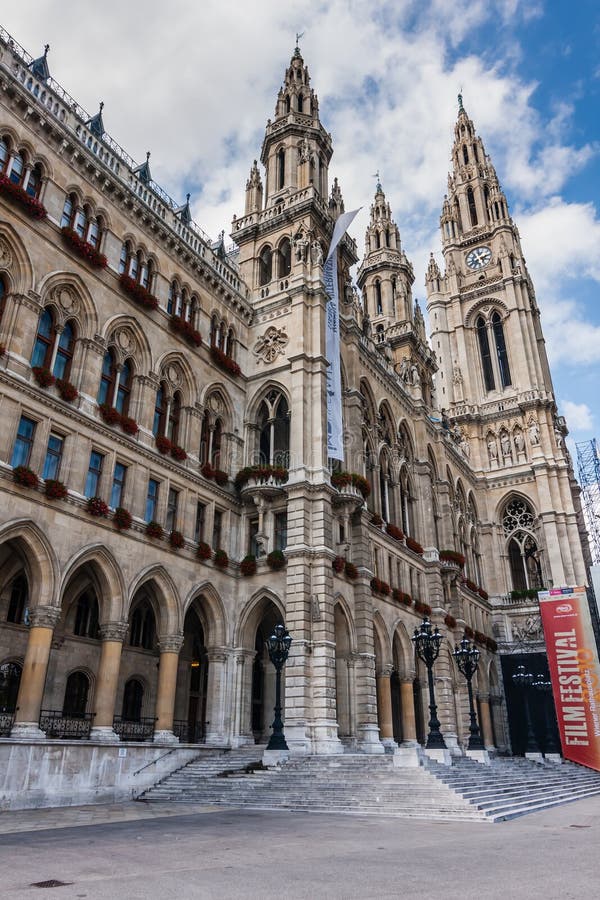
[{"x": 541, "y": 705}]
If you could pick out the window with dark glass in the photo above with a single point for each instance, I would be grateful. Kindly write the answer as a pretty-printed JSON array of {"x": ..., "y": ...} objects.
[
  {"x": 64, "y": 352},
  {"x": 152, "y": 499},
  {"x": 265, "y": 266},
  {"x": 133, "y": 698},
  {"x": 285, "y": 258},
  {"x": 143, "y": 630},
  {"x": 252, "y": 532},
  {"x": 107, "y": 379},
  {"x": 280, "y": 169},
  {"x": 501, "y": 350},
  {"x": 216, "y": 444},
  {"x": 18, "y": 167},
  {"x": 4, "y": 154},
  {"x": 118, "y": 485},
  {"x": 280, "y": 528},
  {"x": 53, "y": 456},
  {"x": 172, "y": 504},
  {"x": 200, "y": 519},
  {"x": 217, "y": 529},
  {"x": 80, "y": 222},
  {"x": 19, "y": 599},
  {"x": 123, "y": 257},
  {"x": 2, "y": 297},
  {"x": 93, "y": 235},
  {"x": 204, "y": 438},
  {"x": 44, "y": 340},
  {"x": 378, "y": 300},
  {"x": 86, "y": 617},
  {"x": 124, "y": 388},
  {"x": 160, "y": 412},
  {"x": 472, "y": 207},
  {"x": 68, "y": 211},
  {"x": 92, "y": 481},
  {"x": 76, "y": 695},
  {"x": 23, "y": 443},
  {"x": 34, "y": 182},
  {"x": 486, "y": 356},
  {"x": 10, "y": 679},
  {"x": 174, "y": 418}
]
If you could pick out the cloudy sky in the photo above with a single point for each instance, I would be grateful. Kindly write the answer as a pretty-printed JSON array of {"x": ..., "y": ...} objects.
[{"x": 194, "y": 82}]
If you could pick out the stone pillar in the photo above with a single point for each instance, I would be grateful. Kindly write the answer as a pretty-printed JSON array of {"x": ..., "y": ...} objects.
[
  {"x": 486, "y": 722},
  {"x": 407, "y": 703},
  {"x": 31, "y": 689},
  {"x": 384, "y": 707},
  {"x": 170, "y": 645},
  {"x": 107, "y": 681},
  {"x": 215, "y": 696},
  {"x": 241, "y": 698}
]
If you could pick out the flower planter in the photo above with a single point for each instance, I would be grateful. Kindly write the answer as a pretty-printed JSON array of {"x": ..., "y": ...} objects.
[
  {"x": 414, "y": 546},
  {"x": 350, "y": 571},
  {"x": 186, "y": 330},
  {"x": 55, "y": 490},
  {"x": 129, "y": 426},
  {"x": 43, "y": 376},
  {"x": 109, "y": 414},
  {"x": 394, "y": 532},
  {"x": 176, "y": 540},
  {"x": 259, "y": 475},
  {"x": 380, "y": 587},
  {"x": 31, "y": 206},
  {"x": 452, "y": 557},
  {"x": 84, "y": 250},
  {"x": 163, "y": 444},
  {"x": 450, "y": 621},
  {"x": 203, "y": 552},
  {"x": 343, "y": 480},
  {"x": 225, "y": 362},
  {"x": 401, "y": 597},
  {"x": 276, "y": 560},
  {"x": 248, "y": 565},
  {"x": 97, "y": 507},
  {"x": 221, "y": 559},
  {"x": 423, "y": 609},
  {"x": 25, "y": 476},
  {"x": 67, "y": 391},
  {"x": 154, "y": 530},
  {"x": 338, "y": 564},
  {"x": 178, "y": 453},
  {"x": 139, "y": 293},
  {"x": 123, "y": 518}
]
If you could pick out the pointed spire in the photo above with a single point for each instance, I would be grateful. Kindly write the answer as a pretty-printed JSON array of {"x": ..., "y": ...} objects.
[
  {"x": 254, "y": 180},
  {"x": 95, "y": 124},
  {"x": 460, "y": 104},
  {"x": 433, "y": 270},
  {"x": 336, "y": 201},
  {"x": 39, "y": 66},
  {"x": 143, "y": 171},
  {"x": 183, "y": 213}
]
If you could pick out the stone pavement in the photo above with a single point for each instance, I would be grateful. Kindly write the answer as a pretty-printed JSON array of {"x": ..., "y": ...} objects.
[{"x": 233, "y": 854}]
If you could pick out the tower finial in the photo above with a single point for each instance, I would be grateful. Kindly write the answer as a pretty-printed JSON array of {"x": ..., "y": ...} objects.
[
  {"x": 101, "y": 105},
  {"x": 298, "y": 36},
  {"x": 460, "y": 102},
  {"x": 147, "y": 156},
  {"x": 378, "y": 185},
  {"x": 46, "y": 48}
]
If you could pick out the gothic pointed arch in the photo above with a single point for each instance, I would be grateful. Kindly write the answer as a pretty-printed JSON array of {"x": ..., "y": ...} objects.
[
  {"x": 128, "y": 339},
  {"x": 175, "y": 368},
  {"x": 382, "y": 638},
  {"x": 39, "y": 560},
  {"x": 402, "y": 650},
  {"x": 163, "y": 594},
  {"x": 15, "y": 263},
  {"x": 211, "y": 611},
  {"x": 521, "y": 537},
  {"x": 252, "y": 614},
  {"x": 102, "y": 570}
]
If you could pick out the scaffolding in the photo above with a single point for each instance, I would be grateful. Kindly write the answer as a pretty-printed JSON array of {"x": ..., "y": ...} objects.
[{"x": 588, "y": 463}]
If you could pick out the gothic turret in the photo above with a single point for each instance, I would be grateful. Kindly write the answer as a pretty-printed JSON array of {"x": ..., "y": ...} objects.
[{"x": 254, "y": 190}]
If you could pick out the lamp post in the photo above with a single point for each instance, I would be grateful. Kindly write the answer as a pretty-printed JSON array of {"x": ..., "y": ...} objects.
[
  {"x": 467, "y": 660},
  {"x": 544, "y": 687},
  {"x": 523, "y": 680},
  {"x": 427, "y": 645},
  {"x": 278, "y": 646}
]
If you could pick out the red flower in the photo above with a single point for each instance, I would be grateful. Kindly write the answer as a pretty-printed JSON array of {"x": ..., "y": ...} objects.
[
  {"x": 186, "y": 330},
  {"x": 55, "y": 490},
  {"x": 207, "y": 470},
  {"x": 30, "y": 205},
  {"x": 261, "y": 474},
  {"x": 450, "y": 621},
  {"x": 109, "y": 414},
  {"x": 97, "y": 507},
  {"x": 452, "y": 556},
  {"x": 225, "y": 362},
  {"x": 380, "y": 587},
  {"x": 154, "y": 530},
  {"x": 178, "y": 453},
  {"x": 276, "y": 560},
  {"x": 67, "y": 391},
  {"x": 176, "y": 540},
  {"x": 2, "y": 349},
  {"x": 163, "y": 444},
  {"x": 203, "y": 551},
  {"x": 123, "y": 518},
  {"x": 221, "y": 559},
  {"x": 248, "y": 565},
  {"x": 43, "y": 376},
  {"x": 401, "y": 597},
  {"x": 138, "y": 292},
  {"x": 351, "y": 571},
  {"x": 221, "y": 477},
  {"x": 25, "y": 476},
  {"x": 338, "y": 564},
  {"x": 83, "y": 249},
  {"x": 414, "y": 546},
  {"x": 129, "y": 426},
  {"x": 394, "y": 532}
]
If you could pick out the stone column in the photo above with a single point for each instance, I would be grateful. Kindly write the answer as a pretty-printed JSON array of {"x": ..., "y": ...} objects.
[
  {"x": 384, "y": 707},
  {"x": 113, "y": 635},
  {"x": 215, "y": 695},
  {"x": 170, "y": 645},
  {"x": 407, "y": 703},
  {"x": 486, "y": 722},
  {"x": 31, "y": 689}
]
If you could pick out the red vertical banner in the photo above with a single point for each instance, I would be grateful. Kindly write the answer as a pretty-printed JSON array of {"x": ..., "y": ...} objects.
[{"x": 574, "y": 672}]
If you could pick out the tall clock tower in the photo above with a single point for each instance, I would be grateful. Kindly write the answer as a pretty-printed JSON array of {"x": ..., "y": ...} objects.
[{"x": 494, "y": 382}]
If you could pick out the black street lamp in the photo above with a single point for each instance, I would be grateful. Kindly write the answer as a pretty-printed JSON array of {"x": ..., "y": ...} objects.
[
  {"x": 523, "y": 680},
  {"x": 427, "y": 646},
  {"x": 467, "y": 660},
  {"x": 278, "y": 646},
  {"x": 544, "y": 687}
]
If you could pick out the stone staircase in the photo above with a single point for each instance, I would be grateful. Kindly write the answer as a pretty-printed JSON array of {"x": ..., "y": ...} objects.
[{"x": 371, "y": 785}]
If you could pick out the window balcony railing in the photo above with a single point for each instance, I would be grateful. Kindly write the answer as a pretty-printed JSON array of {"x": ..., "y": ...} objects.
[
  {"x": 140, "y": 730},
  {"x": 188, "y": 733},
  {"x": 56, "y": 724},
  {"x": 6, "y": 723}
]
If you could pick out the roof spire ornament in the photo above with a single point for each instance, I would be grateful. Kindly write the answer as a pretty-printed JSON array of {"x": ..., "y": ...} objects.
[
  {"x": 39, "y": 66},
  {"x": 378, "y": 187},
  {"x": 460, "y": 102},
  {"x": 298, "y": 36}
]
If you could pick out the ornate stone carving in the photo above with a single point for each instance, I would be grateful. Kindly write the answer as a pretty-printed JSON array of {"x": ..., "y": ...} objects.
[
  {"x": 173, "y": 375},
  {"x": 44, "y": 616},
  {"x": 170, "y": 643},
  {"x": 528, "y": 629},
  {"x": 67, "y": 299},
  {"x": 6, "y": 257},
  {"x": 125, "y": 340},
  {"x": 113, "y": 631},
  {"x": 271, "y": 344}
]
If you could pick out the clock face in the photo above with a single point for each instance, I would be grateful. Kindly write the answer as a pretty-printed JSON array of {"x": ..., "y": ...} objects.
[{"x": 479, "y": 257}]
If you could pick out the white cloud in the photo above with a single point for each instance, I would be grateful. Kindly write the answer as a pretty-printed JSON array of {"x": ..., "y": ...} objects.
[{"x": 579, "y": 415}]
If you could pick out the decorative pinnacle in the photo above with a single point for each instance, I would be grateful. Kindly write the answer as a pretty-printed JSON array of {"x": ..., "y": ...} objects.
[
  {"x": 460, "y": 102},
  {"x": 46, "y": 48},
  {"x": 378, "y": 186},
  {"x": 147, "y": 156},
  {"x": 101, "y": 105},
  {"x": 298, "y": 36}
]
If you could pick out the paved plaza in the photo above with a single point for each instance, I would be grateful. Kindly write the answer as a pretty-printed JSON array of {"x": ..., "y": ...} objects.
[{"x": 138, "y": 851}]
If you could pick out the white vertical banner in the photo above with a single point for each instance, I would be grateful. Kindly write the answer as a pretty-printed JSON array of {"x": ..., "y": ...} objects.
[{"x": 335, "y": 436}]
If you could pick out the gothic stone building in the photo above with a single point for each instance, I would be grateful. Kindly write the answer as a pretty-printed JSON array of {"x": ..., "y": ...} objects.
[{"x": 145, "y": 370}]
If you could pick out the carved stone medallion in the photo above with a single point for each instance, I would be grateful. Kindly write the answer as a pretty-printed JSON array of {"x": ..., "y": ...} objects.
[{"x": 271, "y": 344}]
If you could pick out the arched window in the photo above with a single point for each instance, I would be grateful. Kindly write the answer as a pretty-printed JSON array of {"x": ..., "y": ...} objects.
[
  {"x": 215, "y": 453},
  {"x": 378, "y": 299},
  {"x": 76, "y": 695},
  {"x": 475, "y": 153},
  {"x": 124, "y": 257},
  {"x": 124, "y": 388},
  {"x": 86, "y": 622},
  {"x": 44, "y": 340},
  {"x": 501, "y": 350},
  {"x": 387, "y": 237},
  {"x": 2, "y": 297},
  {"x": 17, "y": 169},
  {"x": 465, "y": 154},
  {"x": 80, "y": 221},
  {"x": 486, "y": 357},
  {"x": 160, "y": 412},
  {"x": 300, "y": 103},
  {"x": 518, "y": 523},
  {"x": 68, "y": 211},
  {"x": 34, "y": 181},
  {"x": 94, "y": 231},
  {"x": 19, "y": 598},
  {"x": 64, "y": 352},
  {"x": 405, "y": 504},
  {"x": 4, "y": 154},
  {"x": 133, "y": 699},
  {"x": 204, "y": 438},
  {"x": 288, "y": 104},
  {"x": 284, "y": 258},
  {"x": 174, "y": 418},
  {"x": 280, "y": 169},
  {"x": 472, "y": 207},
  {"x": 274, "y": 424},
  {"x": 108, "y": 378},
  {"x": 265, "y": 266},
  {"x": 229, "y": 343},
  {"x": 172, "y": 298},
  {"x": 142, "y": 631},
  {"x": 10, "y": 678}
]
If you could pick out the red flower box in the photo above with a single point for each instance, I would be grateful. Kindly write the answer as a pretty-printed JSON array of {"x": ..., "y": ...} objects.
[
  {"x": 163, "y": 444},
  {"x": 176, "y": 540},
  {"x": 207, "y": 470},
  {"x": 154, "y": 530},
  {"x": 338, "y": 564},
  {"x": 350, "y": 571},
  {"x": 225, "y": 362},
  {"x": 469, "y": 632},
  {"x": 203, "y": 551},
  {"x": 221, "y": 559},
  {"x": 221, "y": 477},
  {"x": 423, "y": 609},
  {"x": 83, "y": 249},
  {"x": 67, "y": 391},
  {"x": 401, "y": 597},
  {"x": 261, "y": 474},
  {"x": 248, "y": 565},
  {"x": 276, "y": 560},
  {"x": 139, "y": 293},
  {"x": 178, "y": 453},
  {"x": 471, "y": 585},
  {"x": 450, "y": 621},
  {"x": 483, "y": 593},
  {"x": 55, "y": 490},
  {"x": 452, "y": 556},
  {"x": 31, "y": 206},
  {"x": 2, "y": 349},
  {"x": 491, "y": 644},
  {"x": 123, "y": 518},
  {"x": 414, "y": 546},
  {"x": 128, "y": 425},
  {"x": 43, "y": 376},
  {"x": 186, "y": 330},
  {"x": 376, "y": 520},
  {"x": 380, "y": 587},
  {"x": 394, "y": 532},
  {"x": 97, "y": 507},
  {"x": 341, "y": 480},
  {"x": 480, "y": 637},
  {"x": 109, "y": 414},
  {"x": 25, "y": 476}
]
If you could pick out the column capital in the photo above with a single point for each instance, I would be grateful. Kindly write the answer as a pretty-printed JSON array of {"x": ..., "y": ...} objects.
[
  {"x": 170, "y": 643},
  {"x": 407, "y": 679},
  {"x": 384, "y": 671},
  {"x": 113, "y": 631},
  {"x": 44, "y": 616},
  {"x": 482, "y": 697},
  {"x": 217, "y": 654}
]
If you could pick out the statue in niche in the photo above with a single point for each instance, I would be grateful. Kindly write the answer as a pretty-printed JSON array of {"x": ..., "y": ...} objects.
[
  {"x": 505, "y": 444},
  {"x": 492, "y": 448},
  {"x": 301, "y": 244},
  {"x": 415, "y": 378},
  {"x": 519, "y": 440},
  {"x": 534, "y": 433},
  {"x": 316, "y": 253}
]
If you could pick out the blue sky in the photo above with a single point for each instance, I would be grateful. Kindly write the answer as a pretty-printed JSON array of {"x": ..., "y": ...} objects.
[{"x": 197, "y": 85}]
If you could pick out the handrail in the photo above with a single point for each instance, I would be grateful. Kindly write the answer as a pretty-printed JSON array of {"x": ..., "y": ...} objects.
[{"x": 153, "y": 761}]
